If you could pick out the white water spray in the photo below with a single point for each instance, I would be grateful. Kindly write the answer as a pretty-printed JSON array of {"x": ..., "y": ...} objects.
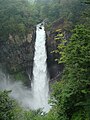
[{"x": 40, "y": 86}]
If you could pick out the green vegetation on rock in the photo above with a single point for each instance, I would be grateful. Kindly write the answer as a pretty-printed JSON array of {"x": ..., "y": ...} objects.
[{"x": 68, "y": 29}]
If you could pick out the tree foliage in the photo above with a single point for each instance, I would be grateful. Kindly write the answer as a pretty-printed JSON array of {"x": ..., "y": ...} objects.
[
  {"x": 9, "y": 109},
  {"x": 72, "y": 93},
  {"x": 16, "y": 18}
]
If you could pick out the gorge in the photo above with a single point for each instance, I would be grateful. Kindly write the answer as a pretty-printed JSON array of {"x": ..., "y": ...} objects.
[{"x": 45, "y": 66}]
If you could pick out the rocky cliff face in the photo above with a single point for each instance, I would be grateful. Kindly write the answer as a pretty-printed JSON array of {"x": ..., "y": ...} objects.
[
  {"x": 59, "y": 27},
  {"x": 17, "y": 56}
]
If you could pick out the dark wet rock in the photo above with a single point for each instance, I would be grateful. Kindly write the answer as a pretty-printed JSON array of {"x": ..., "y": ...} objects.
[
  {"x": 40, "y": 27},
  {"x": 18, "y": 56},
  {"x": 53, "y": 67},
  {"x": 51, "y": 44}
]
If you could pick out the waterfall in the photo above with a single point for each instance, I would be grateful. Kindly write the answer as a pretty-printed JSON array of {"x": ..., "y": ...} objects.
[
  {"x": 40, "y": 85},
  {"x": 37, "y": 96}
]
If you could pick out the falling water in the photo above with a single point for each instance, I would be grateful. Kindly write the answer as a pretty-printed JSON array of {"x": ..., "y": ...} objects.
[{"x": 40, "y": 86}]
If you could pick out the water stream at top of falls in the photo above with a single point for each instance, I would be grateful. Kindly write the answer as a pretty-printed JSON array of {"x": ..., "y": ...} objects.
[{"x": 40, "y": 85}]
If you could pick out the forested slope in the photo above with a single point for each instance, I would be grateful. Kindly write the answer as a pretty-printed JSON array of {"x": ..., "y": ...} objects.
[{"x": 68, "y": 48}]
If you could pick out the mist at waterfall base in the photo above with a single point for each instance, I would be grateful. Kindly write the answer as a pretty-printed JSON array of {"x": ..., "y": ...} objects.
[
  {"x": 19, "y": 92},
  {"x": 37, "y": 96}
]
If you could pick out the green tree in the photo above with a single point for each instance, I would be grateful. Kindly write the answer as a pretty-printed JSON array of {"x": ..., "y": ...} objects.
[
  {"x": 15, "y": 18},
  {"x": 72, "y": 93},
  {"x": 9, "y": 109}
]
